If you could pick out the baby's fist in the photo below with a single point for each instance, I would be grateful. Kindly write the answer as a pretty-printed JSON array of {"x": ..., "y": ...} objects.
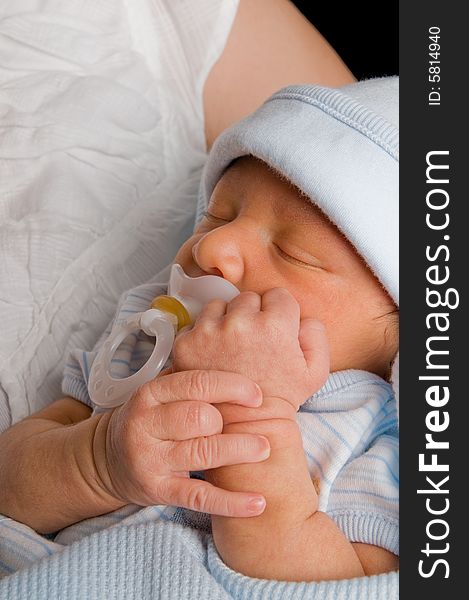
[{"x": 261, "y": 337}]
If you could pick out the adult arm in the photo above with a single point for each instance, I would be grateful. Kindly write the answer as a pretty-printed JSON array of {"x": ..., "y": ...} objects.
[
  {"x": 62, "y": 465},
  {"x": 271, "y": 45}
]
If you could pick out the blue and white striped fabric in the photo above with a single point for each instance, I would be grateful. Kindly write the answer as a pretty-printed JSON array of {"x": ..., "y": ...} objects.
[{"x": 350, "y": 436}]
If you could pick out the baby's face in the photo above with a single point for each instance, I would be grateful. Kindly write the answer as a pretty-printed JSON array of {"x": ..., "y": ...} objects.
[{"x": 260, "y": 233}]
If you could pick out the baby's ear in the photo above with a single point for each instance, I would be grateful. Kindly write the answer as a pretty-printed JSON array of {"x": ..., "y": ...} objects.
[{"x": 315, "y": 346}]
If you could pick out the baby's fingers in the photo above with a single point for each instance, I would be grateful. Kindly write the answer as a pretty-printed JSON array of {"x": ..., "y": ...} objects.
[
  {"x": 315, "y": 346},
  {"x": 244, "y": 305},
  {"x": 202, "y": 496},
  {"x": 280, "y": 303},
  {"x": 212, "y": 311}
]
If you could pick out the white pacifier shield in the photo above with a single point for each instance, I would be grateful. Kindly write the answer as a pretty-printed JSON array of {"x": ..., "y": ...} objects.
[{"x": 195, "y": 292}]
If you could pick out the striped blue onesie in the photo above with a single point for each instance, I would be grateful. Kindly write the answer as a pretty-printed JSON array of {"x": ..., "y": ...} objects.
[{"x": 350, "y": 436}]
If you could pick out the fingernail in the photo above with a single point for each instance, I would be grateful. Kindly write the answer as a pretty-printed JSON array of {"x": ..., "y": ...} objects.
[
  {"x": 264, "y": 447},
  {"x": 256, "y": 505}
]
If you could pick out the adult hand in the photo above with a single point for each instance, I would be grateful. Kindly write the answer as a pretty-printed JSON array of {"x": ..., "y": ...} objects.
[{"x": 145, "y": 448}]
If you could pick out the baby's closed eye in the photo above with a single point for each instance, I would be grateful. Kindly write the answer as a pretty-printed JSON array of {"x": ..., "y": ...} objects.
[{"x": 297, "y": 255}]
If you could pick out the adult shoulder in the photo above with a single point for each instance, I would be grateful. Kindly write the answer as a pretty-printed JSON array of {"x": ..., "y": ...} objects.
[{"x": 270, "y": 45}]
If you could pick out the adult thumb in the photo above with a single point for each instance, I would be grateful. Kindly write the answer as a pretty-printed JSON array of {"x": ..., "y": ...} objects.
[{"x": 315, "y": 346}]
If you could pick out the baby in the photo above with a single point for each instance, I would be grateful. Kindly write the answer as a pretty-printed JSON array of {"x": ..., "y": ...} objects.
[{"x": 301, "y": 213}]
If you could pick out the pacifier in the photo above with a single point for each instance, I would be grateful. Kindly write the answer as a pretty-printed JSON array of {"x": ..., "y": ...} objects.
[{"x": 167, "y": 315}]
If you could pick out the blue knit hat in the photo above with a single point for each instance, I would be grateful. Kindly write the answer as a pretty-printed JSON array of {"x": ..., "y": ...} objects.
[{"x": 338, "y": 146}]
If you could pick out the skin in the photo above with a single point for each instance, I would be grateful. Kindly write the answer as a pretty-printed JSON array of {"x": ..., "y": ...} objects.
[
  {"x": 74, "y": 466},
  {"x": 325, "y": 309},
  {"x": 271, "y": 45}
]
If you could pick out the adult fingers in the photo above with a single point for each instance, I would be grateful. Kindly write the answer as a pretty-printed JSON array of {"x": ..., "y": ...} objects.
[
  {"x": 204, "y": 497},
  {"x": 204, "y": 386},
  {"x": 184, "y": 420},
  {"x": 214, "y": 451}
]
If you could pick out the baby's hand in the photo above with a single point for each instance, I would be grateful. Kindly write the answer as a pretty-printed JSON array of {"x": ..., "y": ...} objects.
[{"x": 263, "y": 338}]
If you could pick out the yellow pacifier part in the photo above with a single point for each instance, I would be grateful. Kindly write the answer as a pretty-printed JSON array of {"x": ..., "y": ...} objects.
[{"x": 173, "y": 306}]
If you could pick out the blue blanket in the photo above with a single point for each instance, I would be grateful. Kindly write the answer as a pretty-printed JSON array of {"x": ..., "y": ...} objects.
[{"x": 167, "y": 561}]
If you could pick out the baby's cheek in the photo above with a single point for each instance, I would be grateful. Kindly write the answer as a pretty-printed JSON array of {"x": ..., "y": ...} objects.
[{"x": 184, "y": 254}]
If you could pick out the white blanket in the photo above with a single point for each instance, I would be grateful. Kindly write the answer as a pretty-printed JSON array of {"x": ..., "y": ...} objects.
[{"x": 101, "y": 146}]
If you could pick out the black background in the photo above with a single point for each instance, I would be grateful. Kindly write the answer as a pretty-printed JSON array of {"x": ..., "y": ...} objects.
[
  {"x": 365, "y": 34},
  {"x": 424, "y": 128}
]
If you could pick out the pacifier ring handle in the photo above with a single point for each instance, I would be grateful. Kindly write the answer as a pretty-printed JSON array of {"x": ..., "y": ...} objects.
[{"x": 107, "y": 391}]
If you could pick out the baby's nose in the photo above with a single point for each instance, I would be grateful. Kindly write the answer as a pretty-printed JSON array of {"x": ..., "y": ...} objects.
[{"x": 220, "y": 253}]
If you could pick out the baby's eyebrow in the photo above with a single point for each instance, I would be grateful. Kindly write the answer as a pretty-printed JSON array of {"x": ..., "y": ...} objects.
[
  {"x": 303, "y": 211},
  {"x": 233, "y": 181},
  {"x": 222, "y": 200}
]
